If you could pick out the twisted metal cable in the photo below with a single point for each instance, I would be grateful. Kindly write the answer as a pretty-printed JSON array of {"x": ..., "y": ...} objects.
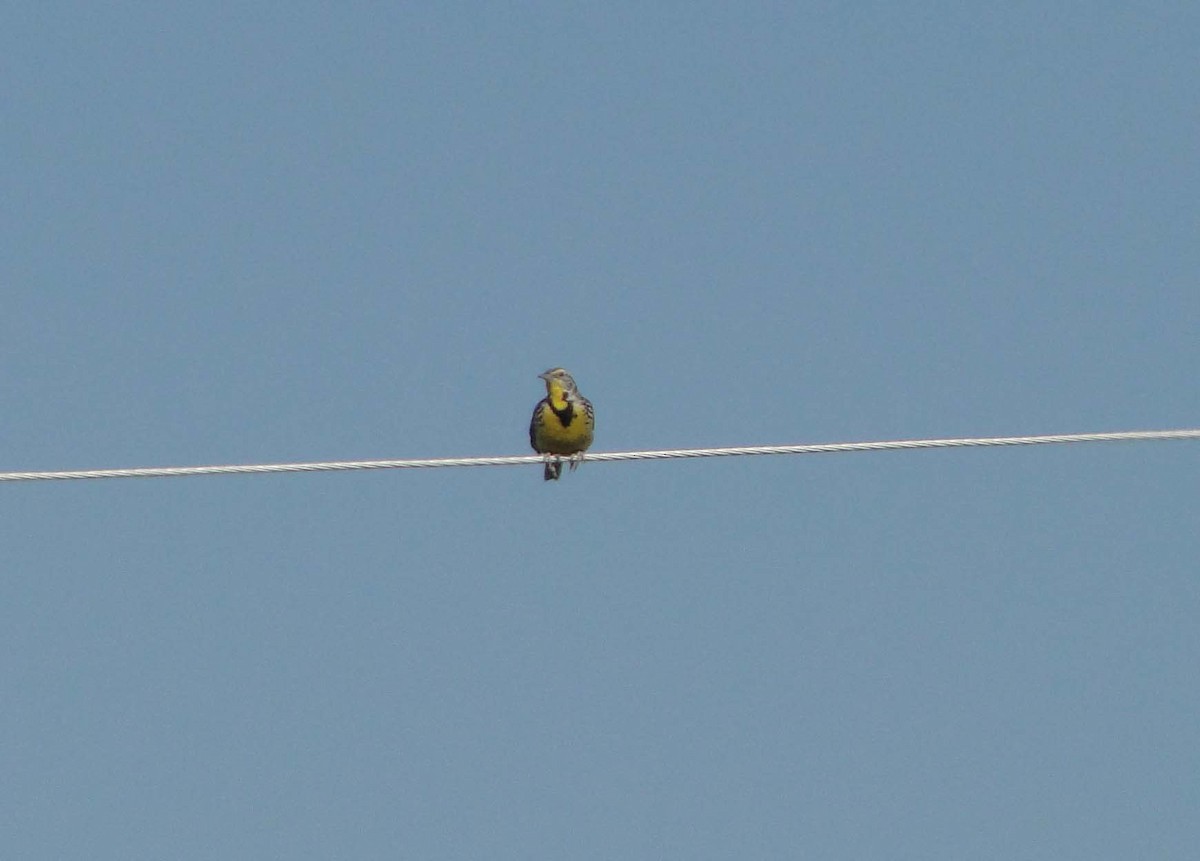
[{"x": 519, "y": 460}]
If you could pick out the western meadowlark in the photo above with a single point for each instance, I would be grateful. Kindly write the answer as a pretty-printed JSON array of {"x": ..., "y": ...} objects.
[{"x": 562, "y": 422}]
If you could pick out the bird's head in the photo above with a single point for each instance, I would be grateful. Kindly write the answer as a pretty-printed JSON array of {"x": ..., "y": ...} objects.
[{"x": 558, "y": 378}]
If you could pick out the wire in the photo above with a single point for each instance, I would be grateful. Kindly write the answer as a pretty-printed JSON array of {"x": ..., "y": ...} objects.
[{"x": 519, "y": 460}]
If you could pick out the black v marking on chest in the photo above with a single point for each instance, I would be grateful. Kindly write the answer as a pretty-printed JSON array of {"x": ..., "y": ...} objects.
[{"x": 565, "y": 415}]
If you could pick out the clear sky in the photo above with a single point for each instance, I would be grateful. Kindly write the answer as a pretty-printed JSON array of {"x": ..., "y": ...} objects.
[{"x": 243, "y": 233}]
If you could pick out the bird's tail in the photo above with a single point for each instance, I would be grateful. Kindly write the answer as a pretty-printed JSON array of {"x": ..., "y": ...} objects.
[{"x": 553, "y": 470}]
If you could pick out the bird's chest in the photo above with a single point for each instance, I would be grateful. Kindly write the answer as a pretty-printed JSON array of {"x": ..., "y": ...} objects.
[{"x": 564, "y": 422}]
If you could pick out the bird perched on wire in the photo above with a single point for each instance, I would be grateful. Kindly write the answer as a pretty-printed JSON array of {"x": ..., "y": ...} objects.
[{"x": 562, "y": 423}]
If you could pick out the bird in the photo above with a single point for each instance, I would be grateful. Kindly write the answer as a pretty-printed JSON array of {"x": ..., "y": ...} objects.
[{"x": 563, "y": 423}]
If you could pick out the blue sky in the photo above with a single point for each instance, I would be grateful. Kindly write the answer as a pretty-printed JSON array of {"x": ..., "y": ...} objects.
[{"x": 266, "y": 233}]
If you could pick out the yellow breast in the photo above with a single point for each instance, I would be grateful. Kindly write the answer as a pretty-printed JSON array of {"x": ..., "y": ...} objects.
[{"x": 562, "y": 427}]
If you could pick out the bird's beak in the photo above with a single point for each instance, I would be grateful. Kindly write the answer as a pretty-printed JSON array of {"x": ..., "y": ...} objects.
[{"x": 543, "y": 376}]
